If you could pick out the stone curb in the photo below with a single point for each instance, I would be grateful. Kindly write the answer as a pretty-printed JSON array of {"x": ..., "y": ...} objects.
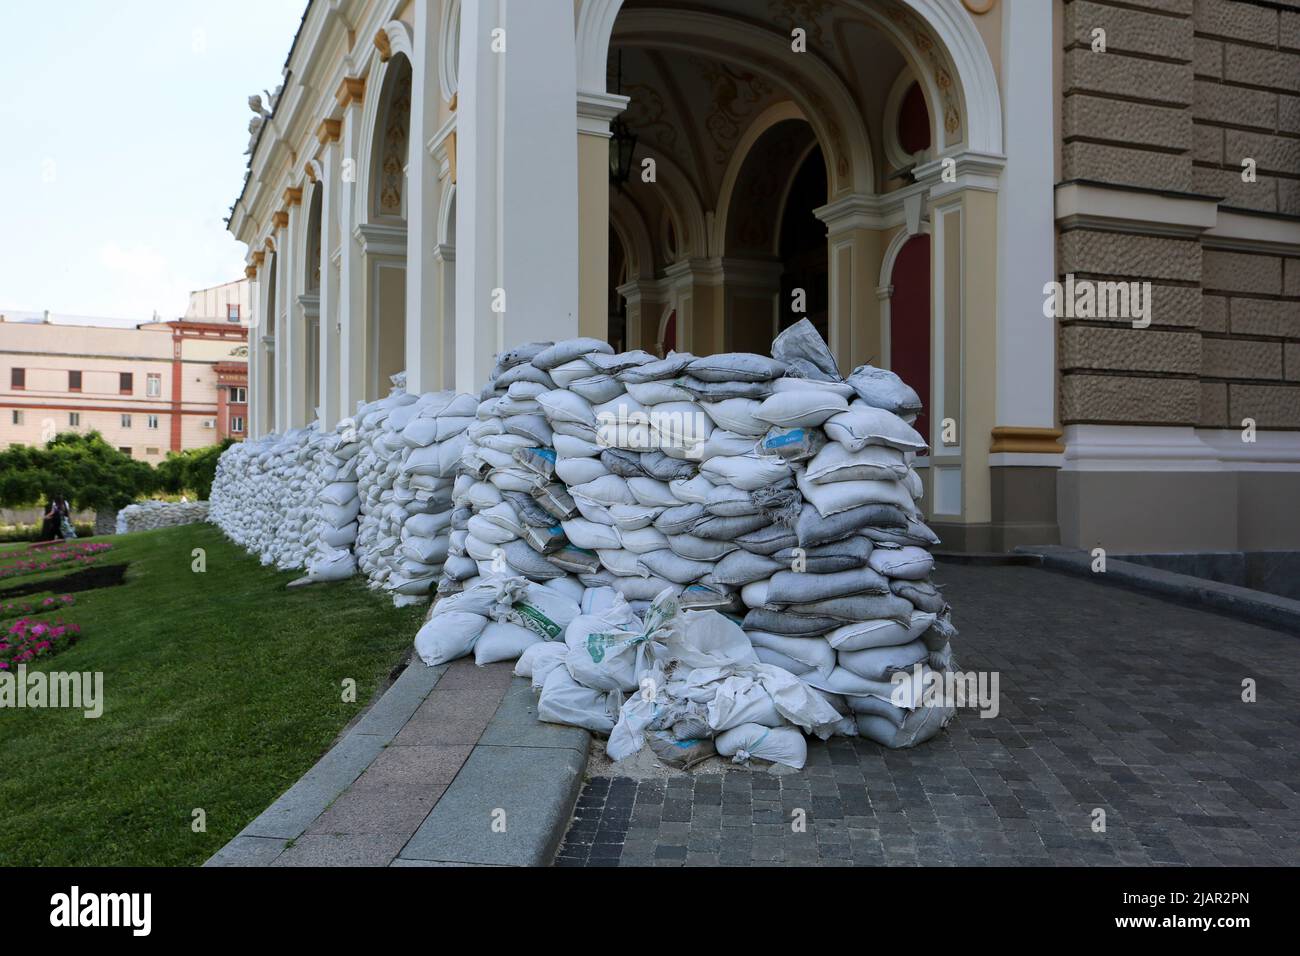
[
  {"x": 294, "y": 810},
  {"x": 509, "y": 805},
  {"x": 511, "y": 802},
  {"x": 1258, "y": 606}
]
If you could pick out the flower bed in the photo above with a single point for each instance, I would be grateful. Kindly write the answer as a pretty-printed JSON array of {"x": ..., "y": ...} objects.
[
  {"x": 47, "y": 604},
  {"x": 27, "y": 640},
  {"x": 36, "y": 559}
]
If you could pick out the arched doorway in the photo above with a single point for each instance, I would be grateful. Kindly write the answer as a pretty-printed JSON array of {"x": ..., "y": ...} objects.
[
  {"x": 311, "y": 301},
  {"x": 909, "y": 321},
  {"x": 383, "y": 228}
]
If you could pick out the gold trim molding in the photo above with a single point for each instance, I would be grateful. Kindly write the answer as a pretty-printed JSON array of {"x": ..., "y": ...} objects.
[
  {"x": 329, "y": 131},
  {"x": 1034, "y": 441},
  {"x": 250, "y": 272},
  {"x": 978, "y": 6},
  {"x": 279, "y": 219},
  {"x": 352, "y": 89},
  {"x": 383, "y": 46},
  {"x": 292, "y": 195}
]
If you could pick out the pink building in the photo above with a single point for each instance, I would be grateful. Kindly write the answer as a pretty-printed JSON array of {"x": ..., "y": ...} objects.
[{"x": 150, "y": 389}]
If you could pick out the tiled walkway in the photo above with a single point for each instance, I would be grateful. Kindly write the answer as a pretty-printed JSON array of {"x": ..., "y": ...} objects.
[{"x": 1110, "y": 700}]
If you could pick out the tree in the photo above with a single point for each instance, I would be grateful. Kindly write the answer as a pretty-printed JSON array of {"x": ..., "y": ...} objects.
[
  {"x": 87, "y": 470},
  {"x": 191, "y": 470}
]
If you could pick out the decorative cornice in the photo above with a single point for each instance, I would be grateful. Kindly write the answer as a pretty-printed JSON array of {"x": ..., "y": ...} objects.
[
  {"x": 292, "y": 195},
  {"x": 310, "y": 169},
  {"x": 329, "y": 131},
  {"x": 596, "y": 109},
  {"x": 351, "y": 90},
  {"x": 383, "y": 46},
  {"x": 258, "y": 258},
  {"x": 279, "y": 219},
  {"x": 250, "y": 272},
  {"x": 1015, "y": 438}
]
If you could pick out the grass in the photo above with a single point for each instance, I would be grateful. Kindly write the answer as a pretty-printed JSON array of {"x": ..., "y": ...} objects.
[{"x": 220, "y": 690}]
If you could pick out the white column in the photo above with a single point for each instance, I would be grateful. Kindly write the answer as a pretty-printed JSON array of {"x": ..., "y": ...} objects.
[
  {"x": 329, "y": 279},
  {"x": 517, "y": 194},
  {"x": 295, "y": 338},
  {"x": 283, "y": 332},
  {"x": 1026, "y": 349},
  {"x": 352, "y": 309},
  {"x": 422, "y": 347},
  {"x": 252, "y": 424}
]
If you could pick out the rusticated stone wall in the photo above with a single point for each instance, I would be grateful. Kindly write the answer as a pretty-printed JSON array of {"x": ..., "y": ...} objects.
[{"x": 1185, "y": 91}]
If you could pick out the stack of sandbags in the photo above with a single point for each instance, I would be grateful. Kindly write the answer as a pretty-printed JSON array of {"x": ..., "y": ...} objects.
[
  {"x": 409, "y": 450},
  {"x": 147, "y": 515},
  {"x": 264, "y": 494},
  {"x": 329, "y": 551},
  {"x": 756, "y": 487}
]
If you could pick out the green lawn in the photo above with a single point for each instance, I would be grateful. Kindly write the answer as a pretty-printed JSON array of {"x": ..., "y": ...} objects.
[{"x": 220, "y": 690}]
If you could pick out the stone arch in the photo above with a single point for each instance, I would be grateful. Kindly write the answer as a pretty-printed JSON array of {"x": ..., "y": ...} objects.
[{"x": 817, "y": 90}]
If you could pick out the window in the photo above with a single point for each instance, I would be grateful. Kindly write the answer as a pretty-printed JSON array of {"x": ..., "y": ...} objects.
[
  {"x": 74, "y": 419},
  {"x": 152, "y": 421},
  {"x": 17, "y": 416},
  {"x": 153, "y": 385},
  {"x": 125, "y": 451},
  {"x": 126, "y": 421},
  {"x": 74, "y": 381},
  {"x": 232, "y": 313},
  {"x": 238, "y": 395},
  {"x": 17, "y": 378},
  {"x": 151, "y": 451},
  {"x": 237, "y": 423},
  {"x": 125, "y": 382}
]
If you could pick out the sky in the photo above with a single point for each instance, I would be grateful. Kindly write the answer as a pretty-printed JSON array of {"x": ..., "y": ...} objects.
[{"x": 123, "y": 125}]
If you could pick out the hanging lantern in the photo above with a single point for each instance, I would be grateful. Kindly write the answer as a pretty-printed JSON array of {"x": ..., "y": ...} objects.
[{"x": 622, "y": 143}]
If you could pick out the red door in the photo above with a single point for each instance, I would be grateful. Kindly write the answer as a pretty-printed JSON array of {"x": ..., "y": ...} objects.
[
  {"x": 909, "y": 322},
  {"x": 670, "y": 333}
]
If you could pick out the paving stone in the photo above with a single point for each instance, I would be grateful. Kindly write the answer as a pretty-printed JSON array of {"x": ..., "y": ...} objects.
[
  {"x": 351, "y": 849},
  {"x": 1127, "y": 708}
]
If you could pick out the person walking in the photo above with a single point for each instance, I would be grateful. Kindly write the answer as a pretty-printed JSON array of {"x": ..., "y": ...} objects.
[
  {"x": 51, "y": 523},
  {"x": 66, "y": 530}
]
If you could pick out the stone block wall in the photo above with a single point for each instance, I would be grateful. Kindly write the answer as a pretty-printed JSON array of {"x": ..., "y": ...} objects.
[{"x": 1185, "y": 90}]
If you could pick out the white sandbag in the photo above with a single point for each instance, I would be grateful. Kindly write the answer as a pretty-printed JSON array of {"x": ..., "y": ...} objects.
[
  {"x": 835, "y": 497},
  {"x": 736, "y": 367},
  {"x": 919, "y": 726},
  {"x": 539, "y": 655},
  {"x": 783, "y": 745},
  {"x": 737, "y": 415},
  {"x": 863, "y": 425},
  {"x": 805, "y": 408},
  {"x": 591, "y": 535},
  {"x": 747, "y": 472},
  {"x": 836, "y": 463},
  {"x": 503, "y": 641},
  {"x": 448, "y": 636},
  {"x": 880, "y": 663},
  {"x": 813, "y": 652},
  {"x": 909, "y": 563},
  {"x": 565, "y": 701},
  {"x": 861, "y": 635}
]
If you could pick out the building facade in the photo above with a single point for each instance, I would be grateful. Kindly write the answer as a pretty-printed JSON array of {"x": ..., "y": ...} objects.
[
  {"x": 151, "y": 389},
  {"x": 1073, "y": 226}
]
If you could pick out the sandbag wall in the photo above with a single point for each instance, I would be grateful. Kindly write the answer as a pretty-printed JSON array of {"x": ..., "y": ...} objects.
[
  {"x": 264, "y": 495},
  {"x": 768, "y": 490},
  {"x": 373, "y": 495},
  {"x": 409, "y": 446},
  {"x": 147, "y": 515}
]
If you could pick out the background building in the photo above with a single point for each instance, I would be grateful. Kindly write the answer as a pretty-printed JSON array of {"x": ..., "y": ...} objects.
[
  {"x": 151, "y": 389},
  {"x": 434, "y": 183}
]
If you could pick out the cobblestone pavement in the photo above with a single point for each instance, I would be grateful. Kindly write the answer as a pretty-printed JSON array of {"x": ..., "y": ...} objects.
[{"x": 1110, "y": 699}]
